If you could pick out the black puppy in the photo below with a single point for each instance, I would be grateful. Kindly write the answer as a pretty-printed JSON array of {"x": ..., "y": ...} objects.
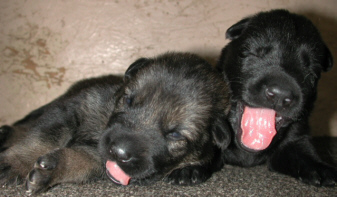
[
  {"x": 166, "y": 118},
  {"x": 273, "y": 63}
]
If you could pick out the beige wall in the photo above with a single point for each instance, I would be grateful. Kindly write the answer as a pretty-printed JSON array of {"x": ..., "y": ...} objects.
[{"x": 47, "y": 45}]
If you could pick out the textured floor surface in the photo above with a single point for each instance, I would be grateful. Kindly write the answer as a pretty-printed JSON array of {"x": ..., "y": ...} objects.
[{"x": 231, "y": 181}]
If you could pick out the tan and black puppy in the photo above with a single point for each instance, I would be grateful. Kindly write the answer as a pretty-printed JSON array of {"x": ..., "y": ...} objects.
[{"x": 165, "y": 119}]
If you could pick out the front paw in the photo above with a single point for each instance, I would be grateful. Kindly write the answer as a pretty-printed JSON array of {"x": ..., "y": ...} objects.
[
  {"x": 39, "y": 179},
  {"x": 190, "y": 175},
  {"x": 8, "y": 175},
  {"x": 323, "y": 175}
]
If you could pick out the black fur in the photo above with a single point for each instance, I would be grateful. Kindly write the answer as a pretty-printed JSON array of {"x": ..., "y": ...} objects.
[
  {"x": 161, "y": 115},
  {"x": 283, "y": 53}
]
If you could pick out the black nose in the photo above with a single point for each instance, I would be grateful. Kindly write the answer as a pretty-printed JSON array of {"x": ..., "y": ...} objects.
[
  {"x": 278, "y": 96},
  {"x": 120, "y": 154}
]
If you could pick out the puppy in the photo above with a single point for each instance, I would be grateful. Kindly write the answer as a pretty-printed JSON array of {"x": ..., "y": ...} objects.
[
  {"x": 273, "y": 64},
  {"x": 163, "y": 119}
]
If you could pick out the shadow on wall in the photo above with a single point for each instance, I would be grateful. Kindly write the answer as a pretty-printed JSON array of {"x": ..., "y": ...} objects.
[{"x": 324, "y": 117}]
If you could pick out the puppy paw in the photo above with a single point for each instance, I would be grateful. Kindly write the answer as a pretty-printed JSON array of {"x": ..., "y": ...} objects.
[
  {"x": 190, "y": 175},
  {"x": 8, "y": 176},
  {"x": 4, "y": 173},
  {"x": 39, "y": 179},
  {"x": 48, "y": 161},
  {"x": 321, "y": 176}
]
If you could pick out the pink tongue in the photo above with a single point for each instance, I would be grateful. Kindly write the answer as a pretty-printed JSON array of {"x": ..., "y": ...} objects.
[
  {"x": 117, "y": 173},
  {"x": 258, "y": 127}
]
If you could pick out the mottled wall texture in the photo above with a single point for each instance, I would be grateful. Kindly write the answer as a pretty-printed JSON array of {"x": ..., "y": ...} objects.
[{"x": 45, "y": 46}]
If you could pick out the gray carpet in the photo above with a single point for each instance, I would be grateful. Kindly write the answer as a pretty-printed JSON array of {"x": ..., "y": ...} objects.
[{"x": 231, "y": 181}]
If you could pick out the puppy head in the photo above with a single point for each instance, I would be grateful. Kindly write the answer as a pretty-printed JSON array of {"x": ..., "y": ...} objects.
[
  {"x": 273, "y": 63},
  {"x": 169, "y": 114},
  {"x": 264, "y": 24}
]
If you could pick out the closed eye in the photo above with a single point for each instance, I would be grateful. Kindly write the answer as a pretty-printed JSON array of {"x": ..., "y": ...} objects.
[
  {"x": 311, "y": 78},
  {"x": 259, "y": 52},
  {"x": 175, "y": 135},
  {"x": 128, "y": 100}
]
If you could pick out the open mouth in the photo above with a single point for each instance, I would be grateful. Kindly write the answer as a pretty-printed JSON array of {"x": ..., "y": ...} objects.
[
  {"x": 259, "y": 126},
  {"x": 116, "y": 174}
]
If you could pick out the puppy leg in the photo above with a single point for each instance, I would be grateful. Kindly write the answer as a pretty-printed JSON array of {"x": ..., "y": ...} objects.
[
  {"x": 196, "y": 174},
  {"x": 17, "y": 160},
  {"x": 300, "y": 160},
  {"x": 190, "y": 175},
  {"x": 75, "y": 164},
  {"x": 24, "y": 144}
]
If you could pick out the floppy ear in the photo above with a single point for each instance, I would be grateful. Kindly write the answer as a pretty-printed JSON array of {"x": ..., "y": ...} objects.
[
  {"x": 236, "y": 30},
  {"x": 328, "y": 61},
  {"x": 134, "y": 67},
  {"x": 221, "y": 132}
]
